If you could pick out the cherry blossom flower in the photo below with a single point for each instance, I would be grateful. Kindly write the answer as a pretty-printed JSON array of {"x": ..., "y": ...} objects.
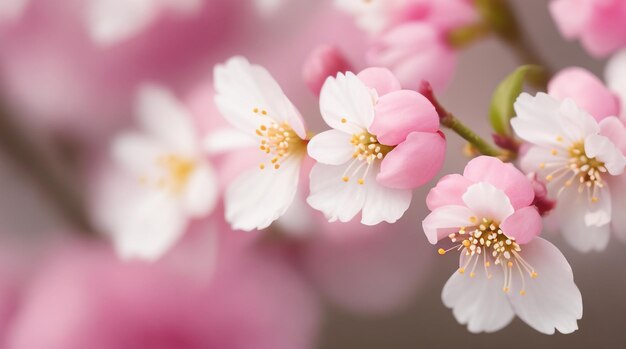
[
  {"x": 581, "y": 160},
  {"x": 253, "y": 102},
  {"x": 384, "y": 143},
  {"x": 323, "y": 62},
  {"x": 599, "y": 24},
  {"x": 410, "y": 36},
  {"x": 164, "y": 180},
  {"x": 111, "y": 21},
  {"x": 504, "y": 268}
]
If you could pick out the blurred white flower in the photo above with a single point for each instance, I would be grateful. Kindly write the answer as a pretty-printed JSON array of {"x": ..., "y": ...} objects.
[
  {"x": 253, "y": 102},
  {"x": 111, "y": 21},
  {"x": 168, "y": 181}
]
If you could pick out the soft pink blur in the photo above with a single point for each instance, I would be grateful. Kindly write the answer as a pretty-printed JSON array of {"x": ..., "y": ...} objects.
[
  {"x": 600, "y": 25},
  {"x": 252, "y": 301}
]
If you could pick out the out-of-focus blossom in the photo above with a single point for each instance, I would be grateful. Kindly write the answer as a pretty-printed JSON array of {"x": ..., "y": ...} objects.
[
  {"x": 411, "y": 36},
  {"x": 253, "y": 102},
  {"x": 111, "y": 21},
  {"x": 166, "y": 179},
  {"x": 599, "y": 24},
  {"x": 11, "y": 9},
  {"x": 252, "y": 301},
  {"x": 504, "y": 268},
  {"x": 58, "y": 79},
  {"x": 615, "y": 77},
  {"x": 589, "y": 93},
  {"x": 415, "y": 52},
  {"x": 376, "y": 16},
  {"x": 384, "y": 143},
  {"x": 582, "y": 162},
  {"x": 323, "y": 62}
]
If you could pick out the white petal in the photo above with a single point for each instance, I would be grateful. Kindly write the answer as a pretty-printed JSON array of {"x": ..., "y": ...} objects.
[
  {"x": 615, "y": 76},
  {"x": 599, "y": 213},
  {"x": 163, "y": 117},
  {"x": 382, "y": 203},
  {"x": 346, "y": 103},
  {"x": 478, "y": 301},
  {"x": 241, "y": 88},
  {"x": 571, "y": 210},
  {"x": 136, "y": 153},
  {"x": 201, "y": 191},
  {"x": 617, "y": 186},
  {"x": 154, "y": 224},
  {"x": 337, "y": 199},
  {"x": 258, "y": 197},
  {"x": 487, "y": 201},
  {"x": 541, "y": 161},
  {"x": 603, "y": 149},
  {"x": 227, "y": 139},
  {"x": 552, "y": 300},
  {"x": 446, "y": 220},
  {"x": 542, "y": 120},
  {"x": 331, "y": 147}
]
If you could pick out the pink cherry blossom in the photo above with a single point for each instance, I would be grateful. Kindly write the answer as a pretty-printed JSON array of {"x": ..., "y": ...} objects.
[
  {"x": 600, "y": 25},
  {"x": 504, "y": 268},
  {"x": 252, "y": 101},
  {"x": 580, "y": 160},
  {"x": 384, "y": 143}
]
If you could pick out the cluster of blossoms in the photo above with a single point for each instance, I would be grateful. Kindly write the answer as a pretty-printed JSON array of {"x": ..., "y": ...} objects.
[{"x": 260, "y": 169}]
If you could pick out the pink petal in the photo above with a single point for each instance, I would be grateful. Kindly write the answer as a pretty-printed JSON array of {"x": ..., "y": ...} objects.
[
  {"x": 586, "y": 90},
  {"x": 615, "y": 130},
  {"x": 523, "y": 225},
  {"x": 415, "y": 52},
  {"x": 570, "y": 23},
  {"x": 449, "y": 191},
  {"x": 401, "y": 112},
  {"x": 504, "y": 177},
  {"x": 380, "y": 79},
  {"x": 414, "y": 161},
  {"x": 323, "y": 62}
]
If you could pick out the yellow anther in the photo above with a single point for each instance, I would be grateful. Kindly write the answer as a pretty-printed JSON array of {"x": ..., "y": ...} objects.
[
  {"x": 472, "y": 275},
  {"x": 276, "y": 166},
  {"x": 466, "y": 243},
  {"x": 361, "y": 181},
  {"x": 522, "y": 292},
  {"x": 510, "y": 264},
  {"x": 559, "y": 139},
  {"x": 595, "y": 199},
  {"x": 264, "y": 112},
  {"x": 345, "y": 179},
  {"x": 461, "y": 270},
  {"x": 505, "y": 289},
  {"x": 533, "y": 275},
  {"x": 262, "y": 166},
  {"x": 255, "y": 110},
  {"x": 549, "y": 177},
  {"x": 343, "y": 120},
  {"x": 473, "y": 219},
  {"x": 554, "y": 152},
  {"x": 441, "y": 251}
]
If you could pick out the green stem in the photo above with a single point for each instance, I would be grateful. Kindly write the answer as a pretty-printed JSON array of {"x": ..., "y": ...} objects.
[
  {"x": 451, "y": 122},
  {"x": 448, "y": 120}
]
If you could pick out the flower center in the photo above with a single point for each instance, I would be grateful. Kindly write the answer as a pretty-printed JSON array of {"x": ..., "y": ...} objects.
[
  {"x": 367, "y": 150},
  {"x": 279, "y": 141},
  {"x": 580, "y": 168},
  {"x": 174, "y": 171},
  {"x": 485, "y": 239}
]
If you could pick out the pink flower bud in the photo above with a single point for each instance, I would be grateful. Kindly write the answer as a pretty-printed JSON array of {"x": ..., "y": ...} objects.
[{"x": 323, "y": 62}]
